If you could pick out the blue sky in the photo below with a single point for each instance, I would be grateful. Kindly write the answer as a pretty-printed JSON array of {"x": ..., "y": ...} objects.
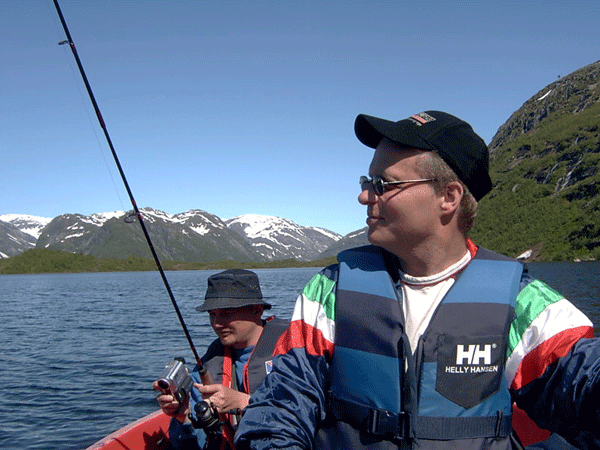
[{"x": 239, "y": 107}]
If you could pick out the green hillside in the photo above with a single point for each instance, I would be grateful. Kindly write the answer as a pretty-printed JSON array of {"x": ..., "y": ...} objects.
[{"x": 545, "y": 165}]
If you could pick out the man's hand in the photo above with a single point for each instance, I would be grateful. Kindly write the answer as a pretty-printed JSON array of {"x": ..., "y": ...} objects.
[
  {"x": 170, "y": 406},
  {"x": 223, "y": 398}
]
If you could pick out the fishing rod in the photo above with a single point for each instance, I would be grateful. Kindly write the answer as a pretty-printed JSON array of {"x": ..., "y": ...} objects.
[{"x": 204, "y": 375}]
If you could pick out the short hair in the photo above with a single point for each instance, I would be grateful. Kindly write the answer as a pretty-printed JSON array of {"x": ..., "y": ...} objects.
[{"x": 431, "y": 165}]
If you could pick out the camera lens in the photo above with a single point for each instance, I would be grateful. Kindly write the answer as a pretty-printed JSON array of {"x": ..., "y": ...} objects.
[{"x": 163, "y": 384}]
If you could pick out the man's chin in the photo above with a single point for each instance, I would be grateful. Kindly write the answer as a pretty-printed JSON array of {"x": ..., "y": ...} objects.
[
  {"x": 225, "y": 340},
  {"x": 372, "y": 234},
  {"x": 377, "y": 237}
]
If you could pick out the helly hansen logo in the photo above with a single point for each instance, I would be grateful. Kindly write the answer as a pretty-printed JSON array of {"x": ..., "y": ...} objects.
[
  {"x": 469, "y": 368},
  {"x": 474, "y": 358},
  {"x": 474, "y": 354}
]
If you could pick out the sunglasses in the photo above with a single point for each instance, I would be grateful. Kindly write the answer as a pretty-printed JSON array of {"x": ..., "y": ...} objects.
[{"x": 379, "y": 186}]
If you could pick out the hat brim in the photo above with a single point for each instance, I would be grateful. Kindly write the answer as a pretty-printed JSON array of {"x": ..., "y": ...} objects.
[
  {"x": 211, "y": 304},
  {"x": 371, "y": 130}
]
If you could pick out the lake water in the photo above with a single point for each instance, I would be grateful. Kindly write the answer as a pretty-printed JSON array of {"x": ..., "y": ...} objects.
[{"x": 80, "y": 351}]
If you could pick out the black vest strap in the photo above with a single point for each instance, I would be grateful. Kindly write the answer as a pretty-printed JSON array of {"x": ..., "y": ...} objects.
[
  {"x": 391, "y": 426},
  {"x": 463, "y": 427},
  {"x": 264, "y": 351},
  {"x": 376, "y": 422}
]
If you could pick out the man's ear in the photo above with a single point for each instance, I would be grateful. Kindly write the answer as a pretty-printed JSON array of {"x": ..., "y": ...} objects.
[{"x": 453, "y": 194}]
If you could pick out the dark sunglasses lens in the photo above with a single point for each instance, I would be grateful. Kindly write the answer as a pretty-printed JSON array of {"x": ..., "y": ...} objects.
[
  {"x": 378, "y": 185},
  {"x": 364, "y": 183}
]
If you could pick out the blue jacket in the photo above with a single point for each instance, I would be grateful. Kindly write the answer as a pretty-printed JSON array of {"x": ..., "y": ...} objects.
[{"x": 558, "y": 391}]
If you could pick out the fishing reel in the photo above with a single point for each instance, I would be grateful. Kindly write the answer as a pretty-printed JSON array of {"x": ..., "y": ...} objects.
[{"x": 207, "y": 418}]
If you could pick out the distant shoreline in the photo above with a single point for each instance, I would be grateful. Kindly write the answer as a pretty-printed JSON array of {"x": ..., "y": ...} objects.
[{"x": 41, "y": 261}]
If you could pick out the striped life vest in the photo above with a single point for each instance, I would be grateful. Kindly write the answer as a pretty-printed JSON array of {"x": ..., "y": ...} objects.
[{"x": 453, "y": 389}]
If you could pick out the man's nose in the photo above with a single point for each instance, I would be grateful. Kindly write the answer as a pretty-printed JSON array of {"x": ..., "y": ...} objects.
[{"x": 367, "y": 196}]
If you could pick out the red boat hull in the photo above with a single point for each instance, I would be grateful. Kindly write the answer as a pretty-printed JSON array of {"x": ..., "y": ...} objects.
[
  {"x": 148, "y": 433},
  {"x": 152, "y": 433}
]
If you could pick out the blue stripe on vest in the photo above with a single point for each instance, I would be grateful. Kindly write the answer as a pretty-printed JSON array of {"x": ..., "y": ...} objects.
[
  {"x": 359, "y": 366},
  {"x": 367, "y": 274},
  {"x": 361, "y": 311},
  {"x": 501, "y": 282}
]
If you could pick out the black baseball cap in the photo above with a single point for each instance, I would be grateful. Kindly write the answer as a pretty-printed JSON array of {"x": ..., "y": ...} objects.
[
  {"x": 452, "y": 138},
  {"x": 232, "y": 288}
]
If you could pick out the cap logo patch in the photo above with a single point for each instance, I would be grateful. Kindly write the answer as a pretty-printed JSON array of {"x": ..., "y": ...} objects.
[{"x": 421, "y": 118}]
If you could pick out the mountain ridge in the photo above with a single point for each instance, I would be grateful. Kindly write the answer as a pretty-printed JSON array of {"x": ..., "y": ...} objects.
[
  {"x": 544, "y": 204},
  {"x": 193, "y": 236}
]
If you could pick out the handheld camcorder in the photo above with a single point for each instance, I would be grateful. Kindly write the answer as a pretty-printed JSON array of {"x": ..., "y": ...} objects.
[{"x": 176, "y": 379}]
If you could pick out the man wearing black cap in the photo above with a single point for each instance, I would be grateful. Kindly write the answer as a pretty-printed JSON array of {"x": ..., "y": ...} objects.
[
  {"x": 424, "y": 340},
  {"x": 237, "y": 361}
]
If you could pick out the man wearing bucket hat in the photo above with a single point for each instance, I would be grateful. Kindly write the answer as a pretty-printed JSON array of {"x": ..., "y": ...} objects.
[
  {"x": 423, "y": 340},
  {"x": 238, "y": 361}
]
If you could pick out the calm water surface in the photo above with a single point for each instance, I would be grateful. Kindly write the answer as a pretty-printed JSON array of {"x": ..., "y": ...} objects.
[{"x": 80, "y": 351}]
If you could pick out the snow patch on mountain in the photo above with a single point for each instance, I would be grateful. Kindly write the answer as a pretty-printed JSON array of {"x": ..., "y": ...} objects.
[
  {"x": 31, "y": 225},
  {"x": 258, "y": 226},
  {"x": 278, "y": 238},
  {"x": 102, "y": 218},
  {"x": 200, "y": 230}
]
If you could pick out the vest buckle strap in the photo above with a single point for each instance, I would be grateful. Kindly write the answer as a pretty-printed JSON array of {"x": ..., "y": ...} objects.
[
  {"x": 387, "y": 424},
  {"x": 377, "y": 422}
]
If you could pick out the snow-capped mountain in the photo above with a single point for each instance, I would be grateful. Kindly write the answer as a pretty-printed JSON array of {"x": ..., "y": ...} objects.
[
  {"x": 276, "y": 238},
  {"x": 194, "y": 235},
  {"x": 19, "y": 233},
  {"x": 357, "y": 238},
  {"x": 31, "y": 225},
  {"x": 13, "y": 241},
  {"x": 191, "y": 236}
]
